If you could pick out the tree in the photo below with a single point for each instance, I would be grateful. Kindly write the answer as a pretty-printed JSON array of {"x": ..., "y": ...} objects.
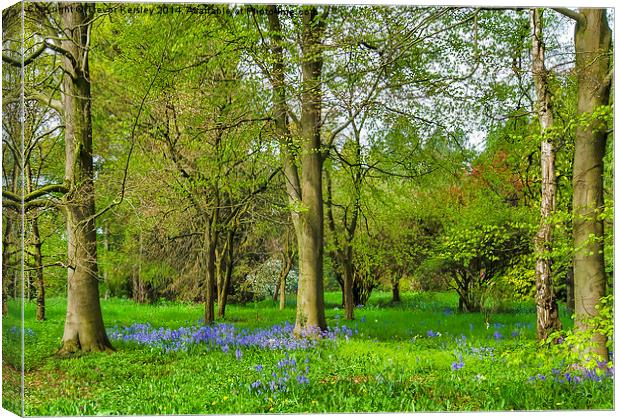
[
  {"x": 84, "y": 329},
  {"x": 546, "y": 306},
  {"x": 305, "y": 189},
  {"x": 594, "y": 76}
]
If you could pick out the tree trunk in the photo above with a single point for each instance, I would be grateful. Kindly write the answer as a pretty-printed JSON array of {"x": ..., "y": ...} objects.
[
  {"x": 570, "y": 290},
  {"x": 106, "y": 248},
  {"x": 396, "y": 291},
  {"x": 307, "y": 191},
  {"x": 276, "y": 291},
  {"x": 209, "y": 245},
  {"x": 6, "y": 265},
  {"x": 222, "y": 296},
  {"x": 84, "y": 329},
  {"x": 347, "y": 285},
  {"x": 547, "y": 315},
  {"x": 286, "y": 268},
  {"x": 310, "y": 303},
  {"x": 592, "y": 49},
  {"x": 342, "y": 255},
  {"x": 283, "y": 288},
  {"x": 38, "y": 266}
]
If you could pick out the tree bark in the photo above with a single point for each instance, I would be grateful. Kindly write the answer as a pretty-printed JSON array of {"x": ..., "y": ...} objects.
[
  {"x": 306, "y": 191},
  {"x": 276, "y": 291},
  {"x": 286, "y": 268},
  {"x": 342, "y": 255},
  {"x": 222, "y": 295},
  {"x": 84, "y": 329},
  {"x": 38, "y": 266},
  {"x": 6, "y": 265},
  {"x": 547, "y": 314},
  {"x": 570, "y": 290},
  {"x": 310, "y": 299},
  {"x": 347, "y": 283},
  {"x": 396, "y": 291},
  {"x": 209, "y": 246},
  {"x": 592, "y": 49},
  {"x": 283, "y": 277}
]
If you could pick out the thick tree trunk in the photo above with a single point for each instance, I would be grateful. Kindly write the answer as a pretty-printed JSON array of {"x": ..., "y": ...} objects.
[
  {"x": 547, "y": 314},
  {"x": 84, "y": 329},
  {"x": 310, "y": 303},
  {"x": 305, "y": 191},
  {"x": 38, "y": 266},
  {"x": 592, "y": 49}
]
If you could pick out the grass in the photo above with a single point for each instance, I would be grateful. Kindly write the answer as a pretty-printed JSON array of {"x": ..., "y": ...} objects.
[{"x": 402, "y": 357}]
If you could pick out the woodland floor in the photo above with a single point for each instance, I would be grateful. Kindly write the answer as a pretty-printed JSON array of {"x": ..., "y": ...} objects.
[{"x": 418, "y": 355}]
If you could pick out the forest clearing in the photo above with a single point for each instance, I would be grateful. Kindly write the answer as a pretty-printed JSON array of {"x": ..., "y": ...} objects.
[{"x": 237, "y": 208}]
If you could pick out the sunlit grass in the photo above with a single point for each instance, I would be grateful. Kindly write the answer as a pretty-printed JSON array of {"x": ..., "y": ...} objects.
[{"x": 401, "y": 358}]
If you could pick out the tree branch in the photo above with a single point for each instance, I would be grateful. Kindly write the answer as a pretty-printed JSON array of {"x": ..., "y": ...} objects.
[
  {"x": 27, "y": 60},
  {"x": 572, "y": 14}
]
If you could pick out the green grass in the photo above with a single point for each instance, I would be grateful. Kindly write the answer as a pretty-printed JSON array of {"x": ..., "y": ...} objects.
[{"x": 391, "y": 364}]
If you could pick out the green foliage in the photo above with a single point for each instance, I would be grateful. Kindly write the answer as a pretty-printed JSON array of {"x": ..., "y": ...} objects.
[{"x": 576, "y": 345}]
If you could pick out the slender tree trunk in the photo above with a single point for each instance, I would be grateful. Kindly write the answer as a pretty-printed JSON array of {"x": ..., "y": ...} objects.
[
  {"x": 570, "y": 290},
  {"x": 276, "y": 292},
  {"x": 209, "y": 245},
  {"x": 547, "y": 314},
  {"x": 84, "y": 329},
  {"x": 347, "y": 283},
  {"x": 280, "y": 111},
  {"x": 342, "y": 257},
  {"x": 396, "y": 291},
  {"x": 222, "y": 297},
  {"x": 283, "y": 276},
  {"x": 38, "y": 265},
  {"x": 287, "y": 265},
  {"x": 106, "y": 249},
  {"x": 592, "y": 49},
  {"x": 6, "y": 264}
]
